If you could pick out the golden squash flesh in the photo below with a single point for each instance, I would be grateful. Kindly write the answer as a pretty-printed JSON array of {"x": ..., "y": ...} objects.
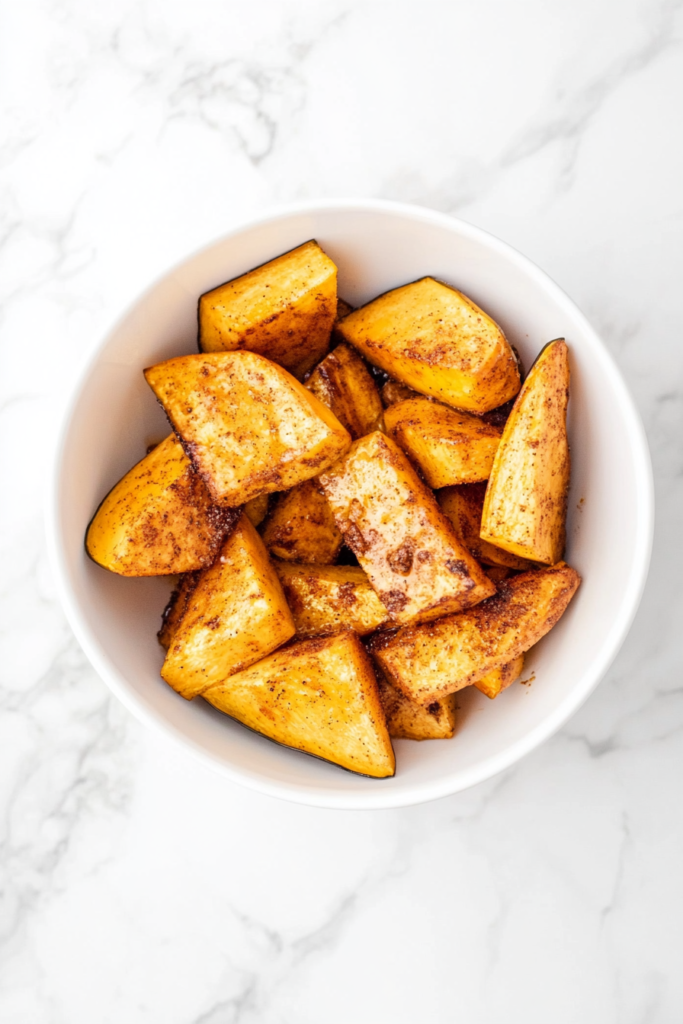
[
  {"x": 318, "y": 695},
  {"x": 500, "y": 678},
  {"x": 235, "y": 615},
  {"x": 407, "y": 720},
  {"x": 392, "y": 523},
  {"x": 327, "y": 597},
  {"x": 283, "y": 310},
  {"x": 450, "y": 447},
  {"x": 437, "y": 341},
  {"x": 393, "y": 391},
  {"x": 426, "y": 662},
  {"x": 256, "y": 509},
  {"x": 301, "y": 527},
  {"x": 463, "y": 506},
  {"x": 159, "y": 519},
  {"x": 247, "y": 425},
  {"x": 344, "y": 384},
  {"x": 526, "y": 498}
]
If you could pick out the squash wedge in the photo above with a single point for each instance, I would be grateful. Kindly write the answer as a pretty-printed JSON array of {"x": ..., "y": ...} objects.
[
  {"x": 318, "y": 695},
  {"x": 344, "y": 384},
  {"x": 323, "y": 598},
  {"x": 426, "y": 662},
  {"x": 159, "y": 519},
  {"x": 526, "y": 498},
  {"x": 248, "y": 427},
  {"x": 301, "y": 527},
  {"x": 450, "y": 447},
  {"x": 235, "y": 615},
  {"x": 500, "y": 678},
  {"x": 283, "y": 310},
  {"x": 463, "y": 506},
  {"x": 407, "y": 720},
  {"x": 437, "y": 341},
  {"x": 392, "y": 523}
]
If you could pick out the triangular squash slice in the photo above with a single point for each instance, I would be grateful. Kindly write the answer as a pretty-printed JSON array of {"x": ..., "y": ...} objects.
[
  {"x": 526, "y": 498},
  {"x": 159, "y": 519},
  {"x": 318, "y": 695},
  {"x": 234, "y": 614},
  {"x": 247, "y": 425}
]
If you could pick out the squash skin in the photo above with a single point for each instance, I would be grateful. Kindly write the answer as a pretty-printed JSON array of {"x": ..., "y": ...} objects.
[
  {"x": 235, "y": 614},
  {"x": 158, "y": 519},
  {"x": 283, "y": 310},
  {"x": 437, "y": 341},
  {"x": 301, "y": 527},
  {"x": 448, "y": 446},
  {"x": 407, "y": 720},
  {"x": 428, "y": 661},
  {"x": 392, "y": 523},
  {"x": 498, "y": 679},
  {"x": 526, "y": 499},
  {"x": 317, "y": 695},
  {"x": 463, "y": 506},
  {"x": 247, "y": 425},
  {"x": 323, "y": 598},
  {"x": 344, "y": 384}
]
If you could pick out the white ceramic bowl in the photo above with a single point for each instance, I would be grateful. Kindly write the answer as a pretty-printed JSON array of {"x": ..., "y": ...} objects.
[{"x": 377, "y": 246}]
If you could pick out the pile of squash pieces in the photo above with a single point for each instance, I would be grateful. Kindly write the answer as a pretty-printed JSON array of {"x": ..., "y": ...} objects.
[{"x": 365, "y": 509}]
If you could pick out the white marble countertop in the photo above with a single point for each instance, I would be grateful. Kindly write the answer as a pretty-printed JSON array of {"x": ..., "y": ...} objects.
[{"x": 138, "y": 887}]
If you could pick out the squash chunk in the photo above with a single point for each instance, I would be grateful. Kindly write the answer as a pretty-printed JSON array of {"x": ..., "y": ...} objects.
[
  {"x": 325, "y": 597},
  {"x": 318, "y": 695},
  {"x": 526, "y": 499},
  {"x": 235, "y": 615},
  {"x": 159, "y": 519},
  {"x": 392, "y": 523},
  {"x": 247, "y": 425},
  {"x": 463, "y": 506},
  {"x": 450, "y": 447},
  {"x": 426, "y": 662},
  {"x": 393, "y": 391},
  {"x": 256, "y": 509},
  {"x": 500, "y": 678},
  {"x": 344, "y": 384},
  {"x": 283, "y": 310},
  {"x": 437, "y": 341},
  {"x": 301, "y": 527},
  {"x": 407, "y": 720}
]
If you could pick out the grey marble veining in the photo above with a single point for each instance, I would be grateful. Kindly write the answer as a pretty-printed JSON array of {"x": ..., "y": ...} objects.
[{"x": 134, "y": 885}]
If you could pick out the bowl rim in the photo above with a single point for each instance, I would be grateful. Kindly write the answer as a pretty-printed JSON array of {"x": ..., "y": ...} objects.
[{"x": 445, "y": 785}]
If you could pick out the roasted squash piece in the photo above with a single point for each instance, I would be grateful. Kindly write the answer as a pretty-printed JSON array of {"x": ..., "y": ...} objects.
[
  {"x": 392, "y": 522},
  {"x": 175, "y": 609},
  {"x": 323, "y": 598},
  {"x": 344, "y": 384},
  {"x": 437, "y": 341},
  {"x": 500, "y": 678},
  {"x": 463, "y": 505},
  {"x": 283, "y": 310},
  {"x": 247, "y": 425},
  {"x": 301, "y": 526},
  {"x": 318, "y": 695},
  {"x": 497, "y": 573},
  {"x": 393, "y": 391},
  {"x": 343, "y": 308},
  {"x": 425, "y": 662},
  {"x": 159, "y": 519},
  {"x": 407, "y": 720},
  {"x": 526, "y": 498},
  {"x": 256, "y": 509},
  {"x": 235, "y": 615},
  {"x": 450, "y": 447}
]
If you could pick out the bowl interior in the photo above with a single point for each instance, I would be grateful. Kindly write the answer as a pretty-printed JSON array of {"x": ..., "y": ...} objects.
[{"x": 114, "y": 416}]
